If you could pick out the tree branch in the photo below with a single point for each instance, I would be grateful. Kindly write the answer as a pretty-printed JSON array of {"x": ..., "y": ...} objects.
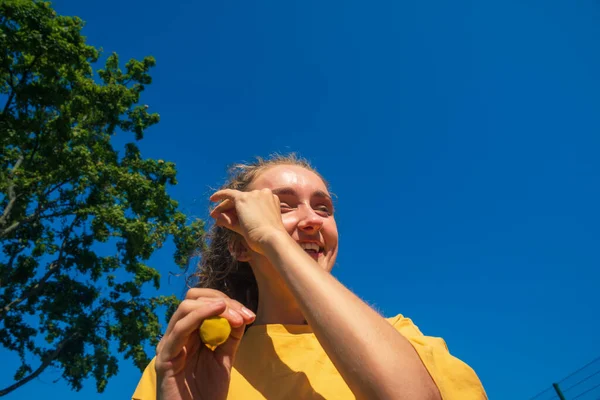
[
  {"x": 11, "y": 260},
  {"x": 58, "y": 185},
  {"x": 36, "y": 144},
  {"x": 47, "y": 361},
  {"x": 11, "y": 95},
  {"x": 8, "y": 102},
  {"x": 37, "y": 214},
  {"x": 49, "y": 357},
  {"x": 9, "y": 229},
  {"x": 30, "y": 218},
  {"x": 52, "y": 269},
  {"x": 21, "y": 82},
  {"x": 33, "y": 291},
  {"x": 11, "y": 191}
]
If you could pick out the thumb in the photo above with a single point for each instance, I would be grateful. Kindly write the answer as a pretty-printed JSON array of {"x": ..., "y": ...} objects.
[{"x": 227, "y": 351}]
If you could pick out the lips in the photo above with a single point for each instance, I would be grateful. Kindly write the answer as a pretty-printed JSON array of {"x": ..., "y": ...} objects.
[
  {"x": 313, "y": 249},
  {"x": 313, "y": 254}
]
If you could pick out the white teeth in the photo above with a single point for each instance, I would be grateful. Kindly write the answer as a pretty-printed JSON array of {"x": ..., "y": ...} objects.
[{"x": 310, "y": 246}]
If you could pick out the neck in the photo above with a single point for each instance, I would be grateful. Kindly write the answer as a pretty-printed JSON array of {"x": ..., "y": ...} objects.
[{"x": 276, "y": 305}]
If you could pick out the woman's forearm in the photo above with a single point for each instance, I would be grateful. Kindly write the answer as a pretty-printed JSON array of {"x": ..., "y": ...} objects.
[{"x": 374, "y": 359}]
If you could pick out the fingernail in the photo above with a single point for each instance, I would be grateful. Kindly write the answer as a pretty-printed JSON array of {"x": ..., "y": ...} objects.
[{"x": 248, "y": 313}]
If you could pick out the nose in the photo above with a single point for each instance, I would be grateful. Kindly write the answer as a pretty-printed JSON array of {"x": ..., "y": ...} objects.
[{"x": 310, "y": 221}]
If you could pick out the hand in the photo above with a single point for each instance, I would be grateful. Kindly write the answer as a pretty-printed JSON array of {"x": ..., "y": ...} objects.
[
  {"x": 185, "y": 367},
  {"x": 256, "y": 215}
]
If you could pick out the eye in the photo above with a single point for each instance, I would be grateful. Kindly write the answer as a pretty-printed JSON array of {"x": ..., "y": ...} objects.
[
  {"x": 324, "y": 210},
  {"x": 284, "y": 207}
]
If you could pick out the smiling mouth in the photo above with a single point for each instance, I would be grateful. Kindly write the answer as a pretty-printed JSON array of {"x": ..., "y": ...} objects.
[
  {"x": 314, "y": 254},
  {"x": 312, "y": 249}
]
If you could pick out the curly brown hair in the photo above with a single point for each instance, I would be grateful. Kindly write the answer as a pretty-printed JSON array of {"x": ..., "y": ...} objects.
[{"x": 217, "y": 268}]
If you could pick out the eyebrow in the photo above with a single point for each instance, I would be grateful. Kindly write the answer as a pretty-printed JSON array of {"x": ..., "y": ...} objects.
[{"x": 292, "y": 192}]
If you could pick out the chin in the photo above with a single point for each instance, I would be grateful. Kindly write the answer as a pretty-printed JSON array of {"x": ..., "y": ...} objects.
[
  {"x": 328, "y": 262},
  {"x": 325, "y": 265}
]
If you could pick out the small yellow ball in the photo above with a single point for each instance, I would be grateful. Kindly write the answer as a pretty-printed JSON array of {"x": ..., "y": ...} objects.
[{"x": 214, "y": 331}]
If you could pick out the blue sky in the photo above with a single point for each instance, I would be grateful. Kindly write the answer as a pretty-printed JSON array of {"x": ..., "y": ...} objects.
[{"x": 460, "y": 137}]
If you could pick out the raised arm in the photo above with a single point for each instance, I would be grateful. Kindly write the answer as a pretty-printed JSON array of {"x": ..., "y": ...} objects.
[{"x": 375, "y": 360}]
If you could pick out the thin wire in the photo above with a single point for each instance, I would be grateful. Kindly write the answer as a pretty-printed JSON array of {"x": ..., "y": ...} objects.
[
  {"x": 567, "y": 377},
  {"x": 540, "y": 393},
  {"x": 585, "y": 366},
  {"x": 581, "y": 381},
  {"x": 582, "y": 393}
]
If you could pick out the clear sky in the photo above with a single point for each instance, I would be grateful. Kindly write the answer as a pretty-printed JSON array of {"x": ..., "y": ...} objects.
[{"x": 460, "y": 137}]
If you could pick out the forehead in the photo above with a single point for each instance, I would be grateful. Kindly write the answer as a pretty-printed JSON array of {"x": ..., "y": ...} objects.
[{"x": 291, "y": 176}]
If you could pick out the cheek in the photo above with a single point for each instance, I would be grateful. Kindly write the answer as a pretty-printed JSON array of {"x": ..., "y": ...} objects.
[
  {"x": 289, "y": 222},
  {"x": 330, "y": 233}
]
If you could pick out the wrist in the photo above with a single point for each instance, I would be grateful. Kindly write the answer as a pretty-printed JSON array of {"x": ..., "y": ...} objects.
[
  {"x": 274, "y": 242},
  {"x": 274, "y": 238}
]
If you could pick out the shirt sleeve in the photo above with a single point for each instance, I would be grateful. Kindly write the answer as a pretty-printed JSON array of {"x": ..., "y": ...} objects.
[
  {"x": 146, "y": 388},
  {"x": 454, "y": 379}
]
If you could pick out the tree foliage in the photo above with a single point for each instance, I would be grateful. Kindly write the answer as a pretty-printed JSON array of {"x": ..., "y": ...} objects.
[{"x": 78, "y": 220}]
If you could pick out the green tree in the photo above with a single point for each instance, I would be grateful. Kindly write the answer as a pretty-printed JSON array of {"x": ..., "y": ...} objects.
[{"x": 77, "y": 219}]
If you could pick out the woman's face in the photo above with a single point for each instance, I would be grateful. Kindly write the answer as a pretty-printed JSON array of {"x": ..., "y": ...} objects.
[{"x": 306, "y": 210}]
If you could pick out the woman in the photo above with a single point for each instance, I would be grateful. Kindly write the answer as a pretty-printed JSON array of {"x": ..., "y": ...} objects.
[{"x": 297, "y": 333}]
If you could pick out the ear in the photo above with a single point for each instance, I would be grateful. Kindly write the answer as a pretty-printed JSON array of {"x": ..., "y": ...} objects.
[{"x": 239, "y": 250}]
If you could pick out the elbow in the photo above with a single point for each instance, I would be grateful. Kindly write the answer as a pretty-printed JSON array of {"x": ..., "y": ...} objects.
[
  {"x": 433, "y": 393},
  {"x": 400, "y": 391},
  {"x": 420, "y": 389},
  {"x": 422, "y": 393}
]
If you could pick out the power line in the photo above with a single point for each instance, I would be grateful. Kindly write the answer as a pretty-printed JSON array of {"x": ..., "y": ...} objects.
[
  {"x": 540, "y": 393},
  {"x": 573, "y": 385},
  {"x": 581, "y": 381},
  {"x": 587, "y": 391},
  {"x": 580, "y": 369}
]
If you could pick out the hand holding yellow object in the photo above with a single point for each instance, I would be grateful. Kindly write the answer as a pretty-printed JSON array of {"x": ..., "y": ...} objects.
[
  {"x": 214, "y": 331},
  {"x": 198, "y": 319}
]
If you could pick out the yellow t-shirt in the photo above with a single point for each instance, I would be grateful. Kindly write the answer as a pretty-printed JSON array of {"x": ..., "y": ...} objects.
[{"x": 286, "y": 362}]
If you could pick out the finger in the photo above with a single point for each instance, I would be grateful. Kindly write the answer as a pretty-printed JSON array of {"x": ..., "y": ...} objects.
[
  {"x": 234, "y": 317},
  {"x": 184, "y": 327},
  {"x": 186, "y": 307},
  {"x": 226, "y": 352},
  {"x": 194, "y": 371},
  {"x": 198, "y": 293},
  {"x": 225, "y": 214},
  {"x": 189, "y": 306},
  {"x": 226, "y": 220},
  {"x": 191, "y": 365},
  {"x": 223, "y": 206},
  {"x": 193, "y": 344},
  {"x": 238, "y": 314},
  {"x": 193, "y": 349},
  {"x": 223, "y": 194},
  {"x": 277, "y": 200},
  {"x": 246, "y": 313}
]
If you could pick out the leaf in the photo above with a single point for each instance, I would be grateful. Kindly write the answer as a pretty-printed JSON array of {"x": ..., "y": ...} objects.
[{"x": 78, "y": 219}]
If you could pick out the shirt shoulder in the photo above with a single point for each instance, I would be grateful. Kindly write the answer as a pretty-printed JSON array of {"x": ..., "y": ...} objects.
[
  {"x": 146, "y": 388},
  {"x": 454, "y": 378}
]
